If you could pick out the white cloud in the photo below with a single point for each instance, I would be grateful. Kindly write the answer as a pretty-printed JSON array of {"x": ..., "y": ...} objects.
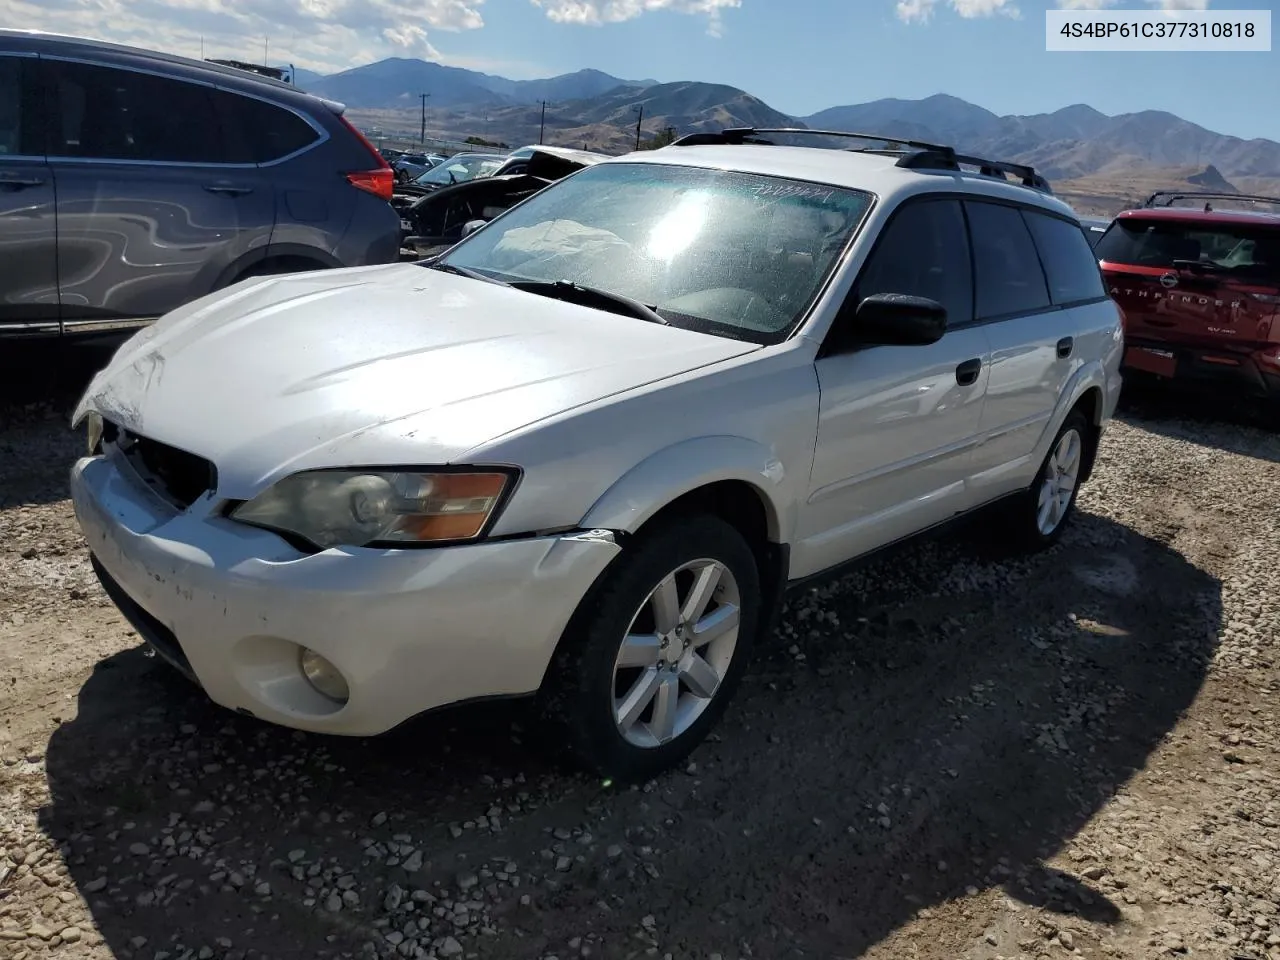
[
  {"x": 921, "y": 11},
  {"x": 972, "y": 9},
  {"x": 915, "y": 11},
  {"x": 596, "y": 12},
  {"x": 1158, "y": 4},
  {"x": 323, "y": 35}
]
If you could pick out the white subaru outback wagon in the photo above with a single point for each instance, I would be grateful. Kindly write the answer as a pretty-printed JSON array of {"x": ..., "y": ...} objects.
[{"x": 583, "y": 453}]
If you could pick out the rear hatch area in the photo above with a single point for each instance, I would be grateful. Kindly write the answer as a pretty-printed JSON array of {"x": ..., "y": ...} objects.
[{"x": 1195, "y": 288}]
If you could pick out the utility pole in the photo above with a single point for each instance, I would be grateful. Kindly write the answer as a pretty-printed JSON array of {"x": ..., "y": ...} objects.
[
  {"x": 542, "y": 124},
  {"x": 422, "y": 136},
  {"x": 266, "y": 46},
  {"x": 639, "y": 120}
]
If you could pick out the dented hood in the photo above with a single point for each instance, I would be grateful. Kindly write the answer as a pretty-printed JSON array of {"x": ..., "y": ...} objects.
[{"x": 391, "y": 365}]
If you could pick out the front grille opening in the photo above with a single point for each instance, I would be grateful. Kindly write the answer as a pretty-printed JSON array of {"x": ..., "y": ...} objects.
[{"x": 180, "y": 477}]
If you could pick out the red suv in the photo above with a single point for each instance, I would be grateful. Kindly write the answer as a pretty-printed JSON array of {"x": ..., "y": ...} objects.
[{"x": 1200, "y": 290}]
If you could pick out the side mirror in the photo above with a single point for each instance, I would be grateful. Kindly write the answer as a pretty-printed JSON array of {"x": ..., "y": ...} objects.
[
  {"x": 899, "y": 320},
  {"x": 471, "y": 226}
]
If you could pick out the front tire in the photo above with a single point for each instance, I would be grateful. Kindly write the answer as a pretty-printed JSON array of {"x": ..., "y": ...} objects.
[{"x": 655, "y": 653}]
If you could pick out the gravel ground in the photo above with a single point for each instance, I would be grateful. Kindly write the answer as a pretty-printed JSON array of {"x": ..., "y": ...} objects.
[{"x": 950, "y": 754}]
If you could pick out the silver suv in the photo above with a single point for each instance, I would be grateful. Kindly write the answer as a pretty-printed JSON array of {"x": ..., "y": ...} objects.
[
  {"x": 132, "y": 182},
  {"x": 584, "y": 452}
]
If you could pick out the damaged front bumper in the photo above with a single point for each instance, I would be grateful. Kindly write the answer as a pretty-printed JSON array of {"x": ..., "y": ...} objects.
[{"x": 233, "y": 607}]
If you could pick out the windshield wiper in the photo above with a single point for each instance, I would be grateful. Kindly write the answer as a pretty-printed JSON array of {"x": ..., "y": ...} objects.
[
  {"x": 1197, "y": 266},
  {"x": 464, "y": 272},
  {"x": 591, "y": 297}
]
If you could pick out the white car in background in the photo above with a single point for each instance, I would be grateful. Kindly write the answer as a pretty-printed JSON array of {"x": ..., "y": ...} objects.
[
  {"x": 410, "y": 166},
  {"x": 583, "y": 453}
]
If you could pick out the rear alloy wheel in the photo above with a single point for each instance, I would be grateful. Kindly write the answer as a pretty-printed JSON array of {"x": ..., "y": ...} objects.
[
  {"x": 1040, "y": 515},
  {"x": 654, "y": 655}
]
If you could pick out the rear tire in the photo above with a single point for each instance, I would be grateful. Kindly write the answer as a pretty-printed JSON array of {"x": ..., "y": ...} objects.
[
  {"x": 656, "y": 651},
  {"x": 1036, "y": 519}
]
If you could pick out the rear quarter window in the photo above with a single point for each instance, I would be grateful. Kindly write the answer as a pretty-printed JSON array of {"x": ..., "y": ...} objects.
[
  {"x": 1069, "y": 264},
  {"x": 262, "y": 132}
]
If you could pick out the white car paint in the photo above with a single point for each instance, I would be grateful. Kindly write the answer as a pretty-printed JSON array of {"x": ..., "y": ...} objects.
[{"x": 607, "y": 417}]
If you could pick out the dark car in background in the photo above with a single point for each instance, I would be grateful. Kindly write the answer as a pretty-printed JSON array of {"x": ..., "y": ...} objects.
[
  {"x": 456, "y": 169},
  {"x": 1200, "y": 291},
  {"x": 132, "y": 182},
  {"x": 437, "y": 221}
]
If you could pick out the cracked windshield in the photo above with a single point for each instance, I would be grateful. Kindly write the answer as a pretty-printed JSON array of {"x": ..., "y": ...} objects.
[{"x": 619, "y": 480}]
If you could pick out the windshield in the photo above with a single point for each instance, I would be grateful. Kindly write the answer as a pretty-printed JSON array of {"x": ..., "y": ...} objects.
[
  {"x": 736, "y": 254},
  {"x": 1243, "y": 250},
  {"x": 460, "y": 168}
]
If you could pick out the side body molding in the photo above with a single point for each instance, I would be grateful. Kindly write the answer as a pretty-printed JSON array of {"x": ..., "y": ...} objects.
[{"x": 685, "y": 466}]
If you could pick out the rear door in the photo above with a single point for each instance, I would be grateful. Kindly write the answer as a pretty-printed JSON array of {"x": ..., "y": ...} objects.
[
  {"x": 150, "y": 212},
  {"x": 313, "y": 203},
  {"x": 28, "y": 232},
  {"x": 1046, "y": 312},
  {"x": 1197, "y": 283},
  {"x": 1012, "y": 302}
]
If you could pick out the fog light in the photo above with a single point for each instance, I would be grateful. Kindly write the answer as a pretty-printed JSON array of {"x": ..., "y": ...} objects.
[{"x": 323, "y": 676}]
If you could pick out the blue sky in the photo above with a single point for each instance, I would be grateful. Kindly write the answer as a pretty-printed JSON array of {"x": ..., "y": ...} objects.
[{"x": 797, "y": 55}]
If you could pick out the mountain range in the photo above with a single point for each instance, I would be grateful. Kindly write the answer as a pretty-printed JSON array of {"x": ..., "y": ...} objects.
[{"x": 1113, "y": 154}]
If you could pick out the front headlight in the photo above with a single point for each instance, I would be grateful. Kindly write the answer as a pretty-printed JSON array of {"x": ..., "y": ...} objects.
[{"x": 354, "y": 508}]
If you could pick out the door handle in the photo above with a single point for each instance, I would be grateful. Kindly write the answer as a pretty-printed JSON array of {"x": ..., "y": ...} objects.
[
  {"x": 228, "y": 189},
  {"x": 19, "y": 182},
  {"x": 1065, "y": 346},
  {"x": 967, "y": 372}
]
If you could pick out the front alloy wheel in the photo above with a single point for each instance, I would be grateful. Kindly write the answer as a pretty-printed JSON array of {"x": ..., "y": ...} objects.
[
  {"x": 654, "y": 653},
  {"x": 676, "y": 653}
]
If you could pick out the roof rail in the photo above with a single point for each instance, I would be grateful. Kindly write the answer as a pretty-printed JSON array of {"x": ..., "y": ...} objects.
[
  {"x": 920, "y": 154},
  {"x": 1166, "y": 198},
  {"x": 736, "y": 136},
  {"x": 948, "y": 159},
  {"x": 275, "y": 73}
]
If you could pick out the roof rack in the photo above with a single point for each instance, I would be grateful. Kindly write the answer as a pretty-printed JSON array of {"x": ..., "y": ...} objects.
[
  {"x": 919, "y": 155},
  {"x": 275, "y": 73},
  {"x": 1166, "y": 198}
]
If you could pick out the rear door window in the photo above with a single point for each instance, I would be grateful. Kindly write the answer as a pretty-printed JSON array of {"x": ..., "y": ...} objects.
[
  {"x": 1069, "y": 264},
  {"x": 1244, "y": 251},
  {"x": 261, "y": 132},
  {"x": 1009, "y": 277},
  {"x": 19, "y": 116},
  {"x": 106, "y": 113}
]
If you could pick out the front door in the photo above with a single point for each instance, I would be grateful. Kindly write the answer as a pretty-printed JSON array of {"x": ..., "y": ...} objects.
[
  {"x": 28, "y": 231},
  {"x": 149, "y": 214},
  {"x": 897, "y": 423}
]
